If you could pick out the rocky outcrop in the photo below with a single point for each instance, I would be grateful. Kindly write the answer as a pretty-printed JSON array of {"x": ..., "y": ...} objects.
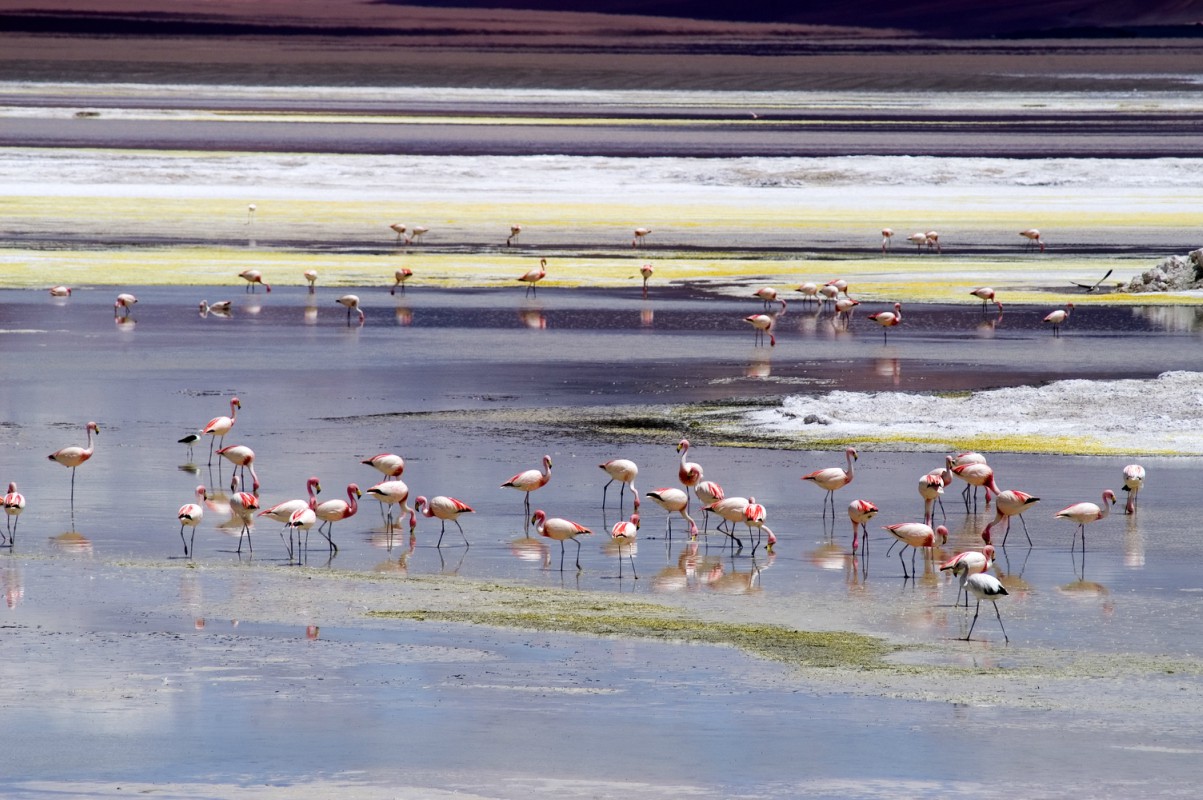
[{"x": 1174, "y": 274}]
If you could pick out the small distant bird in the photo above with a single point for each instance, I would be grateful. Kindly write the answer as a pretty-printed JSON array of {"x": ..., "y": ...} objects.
[
  {"x": 640, "y": 233},
  {"x": 918, "y": 239},
  {"x": 14, "y": 504},
  {"x": 190, "y": 515},
  {"x": 1086, "y": 513},
  {"x": 624, "y": 471},
  {"x": 125, "y": 304},
  {"x": 768, "y": 294},
  {"x": 887, "y": 320},
  {"x": 810, "y": 291},
  {"x": 311, "y": 276},
  {"x": 1033, "y": 238},
  {"x": 253, "y": 277},
  {"x": 528, "y": 481},
  {"x": 351, "y": 301},
  {"x": 646, "y": 271},
  {"x": 833, "y": 478},
  {"x": 74, "y": 456},
  {"x": 560, "y": 530},
  {"x": 983, "y": 587},
  {"x": 887, "y": 235},
  {"x": 417, "y": 233},
  {"x": 1058, "y": 317},
  {"x": 533, "y": 275},
  {"x": 860, "y": 512},
  {"x": 399, "y": 229},
  {"x": 933, "y": 241},
  {"x": 444, "y": 508},
  {"x": 1134, "y": 479},
  {"x": 399, "y": 279},
  {"x": 221, "y": 308},
  {"x": 762, "y": 323},
  {"x": 513, "y": 237},
  {"x": 250, "y": 213},
  {"x": 625, "y": 533},
  {"x": 60, "y": 291}
]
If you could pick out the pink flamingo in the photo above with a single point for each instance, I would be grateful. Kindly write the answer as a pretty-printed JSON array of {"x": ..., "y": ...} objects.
[
  {"x": 242, "y": 457},
  {"x": 513, "y": 237},
  {"x": 399, "y": 279},
  {"x": 311, "y": 276},
  {"x": 444, "y": 508},
  {"x": 624, "y": 534},
  {"x": 1134, "y": 479},
  {"x": 74, "y": 456},
  {"x": 918, "y": 239},
  {"x": 731, "y": 511},
  {"x": 282, "y": 512},
  {"x": 394, "y": 493},
  {"x": 331, "y": 511},
  {"x": 810, "y": 291},
  {"x": 60, "y": 291},
  {"x": 1033, "y": 238},
  {"x": 887, "y": 235},
  {"x": 931, "y": 486},
  {"x": 243, "y": 506},
  {"x": 976, "y": 474},
  {"x": 969, "y": 562},
  {"x": 1086, "y": 513},
  {"x": 915, "y": 535},
  {"x": 124, "y": 305},
  {"x": 1006, "y": 505},
  {"x": 708, "y": 492},
  {"x": 932, "y": 239},
  {"x": 674, "y": 501},
  {"x": 768, "y": 294},
  {"x": 560, "y": 530},
  {"x": 624, "y": 471},
  {"x": 860, "y": 512},
  {"x": 390, "y": 465},
  {"x": 532, "y": 277},
  {"x": 351, "y": 301},
  {"x": 983, "y": 587},
  {"x": 1058, "y": 317},
  {"x": 646, "y": 271},
  {"x": 755, "y": 516},
  {"x": 829, "y": 292},
  {"x": 398, "y": 229},
  {"x": 986, "y": 295},
  {"x": 844, "y": 306},
  {"x": 190, "y": 515},
  {"x": 218, "y": 427},
  {"x": 640, "y": 233},
  {"x": 887, "y": 320},
  {"x": 688, "y": 472},
  {"x": 253, "y": 277},
  {"x": 529, "y": 481},
  {"x": 14, "y": 504},
  {"x": 763, "y": 323},
  {"x": 833, "y": 478},
  {"x": 416, "y": 233},
  {"x": 301, "y": 520}
]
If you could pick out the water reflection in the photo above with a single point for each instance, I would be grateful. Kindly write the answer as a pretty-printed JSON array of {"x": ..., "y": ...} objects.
[
  {"x": 987, "y": 325},
  {"x": 647, "y": 318},
  {"x": 1172, "y": 319},
  {"x": 71, "y": 542},
  {"x": 1084, "y": 589},
  {"x": 761, "y": 365},
  {"x": 1134, "y": 544},
  {"x": 12, "y": 584},
  {"x": 530, "y": 549},
  {"x": 531, "y": 316},
  {"x": 403, "y": 316},
  {"x": 889, "y": 368}
]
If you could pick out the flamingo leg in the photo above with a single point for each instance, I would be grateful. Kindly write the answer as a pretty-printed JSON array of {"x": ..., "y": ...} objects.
[
  {"x": 902, "y": 561},
  {"x": 578, "y": 555},
  {"x": 192, "y": 543},
  {"x": 1025, "y": 530},
  {"x": 442, "y": 530},
  {"x": 461, "y": 532},
  {"x": 630, "y": 555},
  {"x": 1006, "y": 638},
  {"x": 182, "y": 539},
  {"x": 975, "y": 613}
]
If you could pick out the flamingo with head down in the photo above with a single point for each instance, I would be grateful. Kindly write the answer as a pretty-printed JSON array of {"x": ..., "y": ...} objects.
[{"x": 860, "y": 512}]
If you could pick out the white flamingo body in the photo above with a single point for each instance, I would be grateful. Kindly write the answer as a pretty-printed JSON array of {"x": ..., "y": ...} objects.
[
  {"x": 915, "y": 535},
  {"x": 332, "y": 511},
  {"x": 887, "y": 235},
  {"x": 243, "y": 506},
  {"x": 730, "y": 510},
  {"x": 282, "y": 512},
  {"x": 1057, "y": 318},
  {"x": 74, "y": 455},
  {"x": 561, "y": 530},
  {"x": 888, "y": 319},
  {"x": 444, "y": 508},
  {"x": 833, "y": 478},
  {"x": 513, "y": 237},
  {"x": 394, "y": 493},
  {"x": 970, "y": 562},
  {"x": 931, "y": 486},
  {"x": 1086, "y": 513},
  {"x": 674, "y": 501},
  {"x": 60, "y": 291},
  {"x": 190, "y": 515},
  {"x": 399, "y": 279},
  {"x": 810, "y": 291},
  {"x": 218, "y": 427},
  {"x": 125, "y": 304},
  {"x": 253, "y": 277},
  {"x": 624, "y": 534},
  {"x": 688, "y": 472},
  {"x": 1006, "y": 505},
  {"x": 351, "y": 302},
  {"x": 624, "y": 471},
  {"x": 762, "y": 323},
  {"x": 1033, "y": 238},
  {"x": 529, "y": 481},
  {"x": 390, "y": 465},
  {"x": 1134, "y": 479},
  {"x": 646, "y": 271},
  {"x": 14, "y": 504},
  {"x": 533, "y": 275},
  {"x": 244, "y": 457},
  {"x": 860, "y": 512},
  {"x": 640, "y": 234}
]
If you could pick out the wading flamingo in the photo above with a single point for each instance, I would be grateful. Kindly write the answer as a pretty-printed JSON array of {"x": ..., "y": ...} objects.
[
  {"x": 394, "y": 493},
  {"x": 828, "y": 293},
  {"x": 708, "y": 492},
  {"x": 351, "y": 301},
  {"x": 762, "y": 323},
  {"x": 1134, "y": 479},
  {"x": 14, "y": 504},
  {"x": 124, "y": 305},
  {"x": 311, "y": 276},
  {"x": 1010, "y": 504},
  {"x": 74, "y": 456},
  {"x": 730, "y": 510},
  {"x": 444, "y": 508},
  {"x": 1086, "y": 513},
  {"x": 532, "y": 277},
  {"x": 971, "y": 562},
  {"x": 624, "y": 534},
  {"x": 755, "y": 516},
  {"x": 931, "y": 486},
  {"x": 218, "y": 427},
  {"x": 282, "y": 512},
  {"x": 398, "y": 229},
  {"x": 251, "y": 208},
  {"x": 810, "y": 291},
  {"x": 918, "y": 239},
  {"x": 624, "y": 471},
  {"x": 915, "y": 535},
  {"x": 242, "y": 457},
  {"x": 221, "y": 308},
  {"x": 301, "y": 520},
  {"x": 640, "y": 233},
  {"x": 60, "y": 291},
  {"x": 528, "y": 481},
  {"x": 1033, "y": 238},
  {"x": 1058, "y": 317},
  {"x": 243, "y": 506},
  {"x": 331, "y": 511},
  {"x": 190, "y": 515},
  {"x": 560, "y": 530},
  {"x": 976, "y": 474},
  {"x": 688, "y": 472},
  {"x": 252, "y": 277},
  {"x": 646, "y": 271},
  {"x": 833, "y": 478},
  {"x": 887, "y": 320},
  {"x": 933, "y": 241},
  {"x": 983, "y": 587},
  {"x": 860, "y": 512},
  {"x": 674, "y": 501},
  {"x": 399, "y": 279},
  {"x": 390, "y": 465},
  {"x": 768, "y": 294},
  {"x": 513, "y": 237},
  {"x": 887, "y": 235},
  {"x": 986, "y": 295},
  {"x": 416, "y": 233}
]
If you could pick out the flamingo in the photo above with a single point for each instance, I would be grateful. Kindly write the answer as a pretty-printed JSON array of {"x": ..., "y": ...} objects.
[
  {"x": 843, "y": 308},
  {"x": 124, "y": 305},
  {"x": 640, "y": 233},
  {"x": 218, "y": 427},
  {"x": 301, "y": 520},
  {"x": 529, "y": 481},
  {"x": 952, "y": 462},
  {"x": 860, "y": 512},
  {"x": 417, "y": 233},
  {"x": 986, "y": 295},
  {"x": 532, "y": 276},
  {"x": 251, "y": 208},
  {"x": 887, "y": 320},
  {"x": 14, "y": 504},
  {"x": 243, "y": 506},
  {"x": 810, "y": 291},
  {"x": 625, "y": 533},
  {"x": 221, "y": 308},
  {"x": 60, "y": 291},
  {"x": 915, "y": 535},
  {"x": 74, "y": 456},
  {"x": 918, "y": 239},
  {"x": 1006, "y": 505},
  {"x": 708, "y": 492},
  {"x": 1134, "y": 479},
  {"x": 971, "y": 562},
  {"x": 331, "y": 511},
  {"x": 674, "y": 501},
  {"x": 755, "y": 516},
  {"x": 242, "y": 456},
  {"x": 624, "y": 471},
  {"x": 398, "y": 229},
  {"x": 351, "y": 301},
  {"x": 399, "y": 279},
  {"x": 1056, "y": 318},
  {"x": 444, "y": 508},
  {"x": 983, "y": 587},
  {"x": 833, "y": 478},
  {"x": 390, "y": 465},
  {"x": 252, "y": 277},
  {"x": 829, "y": 293},
  {"x": 768, "y": 294},
  {"x": 840, "y": 284},
  {"x": 931, "y": 486},
  {"x": 646, "y": 271},
  {"x": 763, "y": 323},
  {"x": 730, "y": 510},
  {"x": 311, "y": 276},
  {"x": 282, "y": 512},
  {"x": 976, "y": 474},
  {"x": 887, "y": 235},
  {"x": 391, "y": 493},
  {"x": 688, "y": 472},
  {"x": 1033, "y": 238},
  {"x": 1086, "y": 513},
  {"x": 933, "y": 240},
  {"x": 561, "y": 530},
  {"x": 190, "y": 515}
]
